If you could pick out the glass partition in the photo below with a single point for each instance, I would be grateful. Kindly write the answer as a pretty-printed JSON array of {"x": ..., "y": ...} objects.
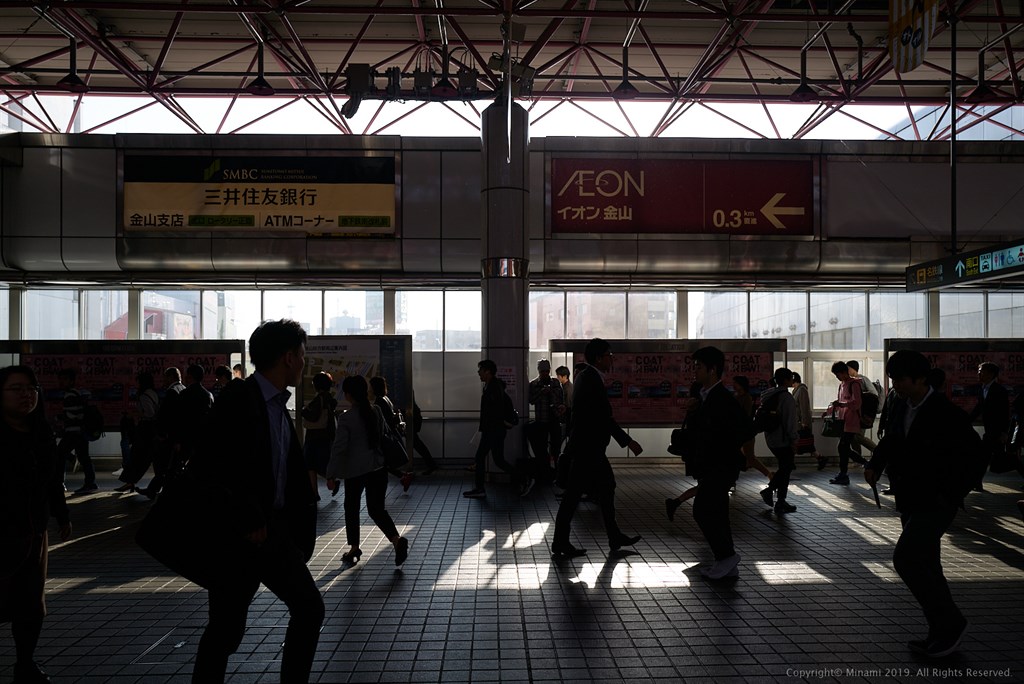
[
  {"x": 546, "y": 319},
  {"x": 897, "y": 314},
  {"x": 50, "y": 315},
  {"x": 652, "y": 316},
  {"x": 717, "y": 315},
  {"x": 838, "y": 321},
  {"x": 353, "y": 312},
  {"x": 779, "y": 314},
  {"x": 961, "y": 314},
  {"x": 170, "y": 315},
  {"x": 5, "y": 313},
  {"x": 231, "y": 314},
  {"x": 304, "y": 306},
  {"x": 595, "y": 314},
  {"x": 105, "y": 315},
  {"x": 462, "y": 320},
  {"x": 420, "y": 313},
  {"x": 1006, "y": 314}
]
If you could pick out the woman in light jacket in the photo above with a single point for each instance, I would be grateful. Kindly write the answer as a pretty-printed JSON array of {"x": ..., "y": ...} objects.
[{"x": 356, "y": 457}]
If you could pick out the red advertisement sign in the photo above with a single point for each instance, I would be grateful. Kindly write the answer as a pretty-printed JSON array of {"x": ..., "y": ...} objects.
[
  {"x": 650, "y": 388},
  {"x": 108, "y": 380},
  {"x": 962, "y": 384},
  {"x": 720, "y": 197}
]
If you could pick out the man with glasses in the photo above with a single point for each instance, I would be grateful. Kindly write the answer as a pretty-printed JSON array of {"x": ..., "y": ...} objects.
[{"x": 589, "y": 470}]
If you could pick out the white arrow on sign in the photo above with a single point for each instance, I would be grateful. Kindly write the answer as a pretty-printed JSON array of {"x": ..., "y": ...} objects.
[
  {"x": 771, "y": 210},
  {"x": 960, "y": 269}
]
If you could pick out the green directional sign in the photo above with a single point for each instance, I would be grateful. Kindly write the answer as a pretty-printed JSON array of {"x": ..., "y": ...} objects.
[{"x": 991, "y": 263}]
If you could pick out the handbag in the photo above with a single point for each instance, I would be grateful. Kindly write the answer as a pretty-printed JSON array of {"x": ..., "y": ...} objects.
[
  {"x": 395, "y": 455},
  {"x": 804, "y": 441},
  {"x": 832, "y": 426},
  {"x": 187, "y": 530}
]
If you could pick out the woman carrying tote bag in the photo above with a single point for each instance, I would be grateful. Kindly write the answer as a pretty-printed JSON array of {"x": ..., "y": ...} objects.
[{"x": 356, "y": 457}]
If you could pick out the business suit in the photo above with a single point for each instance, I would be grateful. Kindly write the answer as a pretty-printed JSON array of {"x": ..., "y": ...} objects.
[
  {"x": 593, "y": 428},
  {"x": 239, "y": 456},
  {"x": 719, "y": 428},
  {"x": 924, "y": 465},
  {"x": 994, "y": 412}
]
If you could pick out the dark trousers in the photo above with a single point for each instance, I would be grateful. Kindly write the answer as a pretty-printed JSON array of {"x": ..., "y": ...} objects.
[
  {"x": 493, "y": 442},
  {"x": 545, "y": 440},
  {"x": 787, "y": 462},
  {"x": 847, "y": 453},
  {"x": 279, "y": 565},
  {"x": 376, "y": 485},
  {"x": 79, "y": 445},
  {"x": 918, "y": 562},
  {"x": 420, "y": 448},
  {"x": 603, "y": 496},
  {"x": 142, "y": 453},
  {"x": 711, "y": 513}
]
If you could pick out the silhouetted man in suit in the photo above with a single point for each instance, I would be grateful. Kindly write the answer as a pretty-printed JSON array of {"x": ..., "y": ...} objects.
[
  {"x": 993, "y": 410},
  {"x": 926, "y": 441},
  {"x": 590, "y": 471},
  {"x": 720, "y": 427},
  {"x": 252, "y": 450}
]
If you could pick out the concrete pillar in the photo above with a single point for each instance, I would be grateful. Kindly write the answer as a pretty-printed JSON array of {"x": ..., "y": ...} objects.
[{"x": 505, "y": 247}]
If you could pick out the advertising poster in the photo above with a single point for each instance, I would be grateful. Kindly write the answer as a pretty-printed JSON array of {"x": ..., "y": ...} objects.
[
  {"x": 389, "y": 357},
  {"x": 960, "y": 360},
  {"x": 649, "y": 386},
  {"x": 107, "y": 380}
]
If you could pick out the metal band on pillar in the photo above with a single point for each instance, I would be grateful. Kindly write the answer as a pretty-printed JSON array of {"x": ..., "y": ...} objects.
[{"x": 504, "y": 267}]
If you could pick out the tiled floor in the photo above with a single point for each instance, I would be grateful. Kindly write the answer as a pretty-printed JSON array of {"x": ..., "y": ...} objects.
[{"x": 480, "y": 599}]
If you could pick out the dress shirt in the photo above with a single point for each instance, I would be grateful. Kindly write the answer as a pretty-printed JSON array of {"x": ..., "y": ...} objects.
[
  {"x": 912, "y": 410},
  {"x": 280, "y": 435}
]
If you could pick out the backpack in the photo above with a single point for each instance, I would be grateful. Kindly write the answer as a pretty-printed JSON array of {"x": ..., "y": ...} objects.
[
  {"x": 767, "y": 417},
  {"x": 868, "y": 409},
  {"x": 508, "y": 412},
  {"x": 92, "y": 423}
]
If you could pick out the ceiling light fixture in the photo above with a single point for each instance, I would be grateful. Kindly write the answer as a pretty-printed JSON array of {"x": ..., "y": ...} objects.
[
  {"x": 259, "y": 85},
  {"x": 625, "y": 90},
  {"x": 72, "y": 83},
  {"x": 803, "y": 92}
]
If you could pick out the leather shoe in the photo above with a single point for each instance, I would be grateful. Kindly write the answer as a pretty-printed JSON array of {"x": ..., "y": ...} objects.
[
  {"x": 569, "y": 551},
  {"x": 622, "y": 540},
  {"x": 401, "y": 550},
  {"x": 671, "y": 505}
]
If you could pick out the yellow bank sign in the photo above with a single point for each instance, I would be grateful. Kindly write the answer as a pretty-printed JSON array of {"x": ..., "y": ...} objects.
[{"x": 349, "y": 195}]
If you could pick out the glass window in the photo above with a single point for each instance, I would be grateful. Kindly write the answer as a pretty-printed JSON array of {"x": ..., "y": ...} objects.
[
  {"x": 462, "y": 316},
  {"x": 1006, "y": 314},
  {"x": 231, "y": 314},
  {"x": 838, "y": 321},
  {"x": 779, "y": 314},
  {"x": 5, "y": 314},
  {"x": 717, "y": 315},
  {"x": 652, "y": 315},
  {"x": 961, "y": 314},
  {"x": 50, "y": 315},
  {"x": 546, "y": 319},
  {"x": 170, "y": 315},
  {"x": 420, "y": 313},
  {"x": 353, "y": 312},
  {"x": 897, "y": 314},
  {"x": 595, "y": 314},
  {"x": 106, "y": 315},
  {"x": 824, "y": 386},
  {"x": 304, "y": 306}
]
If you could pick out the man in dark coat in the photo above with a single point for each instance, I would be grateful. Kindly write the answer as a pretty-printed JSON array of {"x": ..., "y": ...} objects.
[
  {"x": 493, "y": 426},
  {"x": 993, "y": 410},
  {"x": 720, "y": 427},
  {"x": 928, "y": 446},
  {"x": 252, "y": 450},
  {"x": 590, "y": 471}
]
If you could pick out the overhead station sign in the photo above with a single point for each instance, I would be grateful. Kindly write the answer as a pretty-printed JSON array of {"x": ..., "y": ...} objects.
[
  {"x": 991, "y": 263},
  {"x": 725, "y": 197},
  {"x": 180, "y": 193}
]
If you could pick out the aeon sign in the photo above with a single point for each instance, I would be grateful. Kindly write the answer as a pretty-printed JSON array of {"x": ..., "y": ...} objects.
[{"x": 719, "y": 197}]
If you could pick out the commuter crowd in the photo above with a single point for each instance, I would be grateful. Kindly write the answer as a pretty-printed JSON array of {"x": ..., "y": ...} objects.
[{"x": 236, "y": 491}]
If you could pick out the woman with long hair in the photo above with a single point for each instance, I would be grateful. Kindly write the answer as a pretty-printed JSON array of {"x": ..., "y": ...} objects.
[
  {"x": 31, "y": 490},
  {"x": 394, "y": 420},
  {"x": 318, "y": 421},
  {"x": 356, "y": 457}
]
